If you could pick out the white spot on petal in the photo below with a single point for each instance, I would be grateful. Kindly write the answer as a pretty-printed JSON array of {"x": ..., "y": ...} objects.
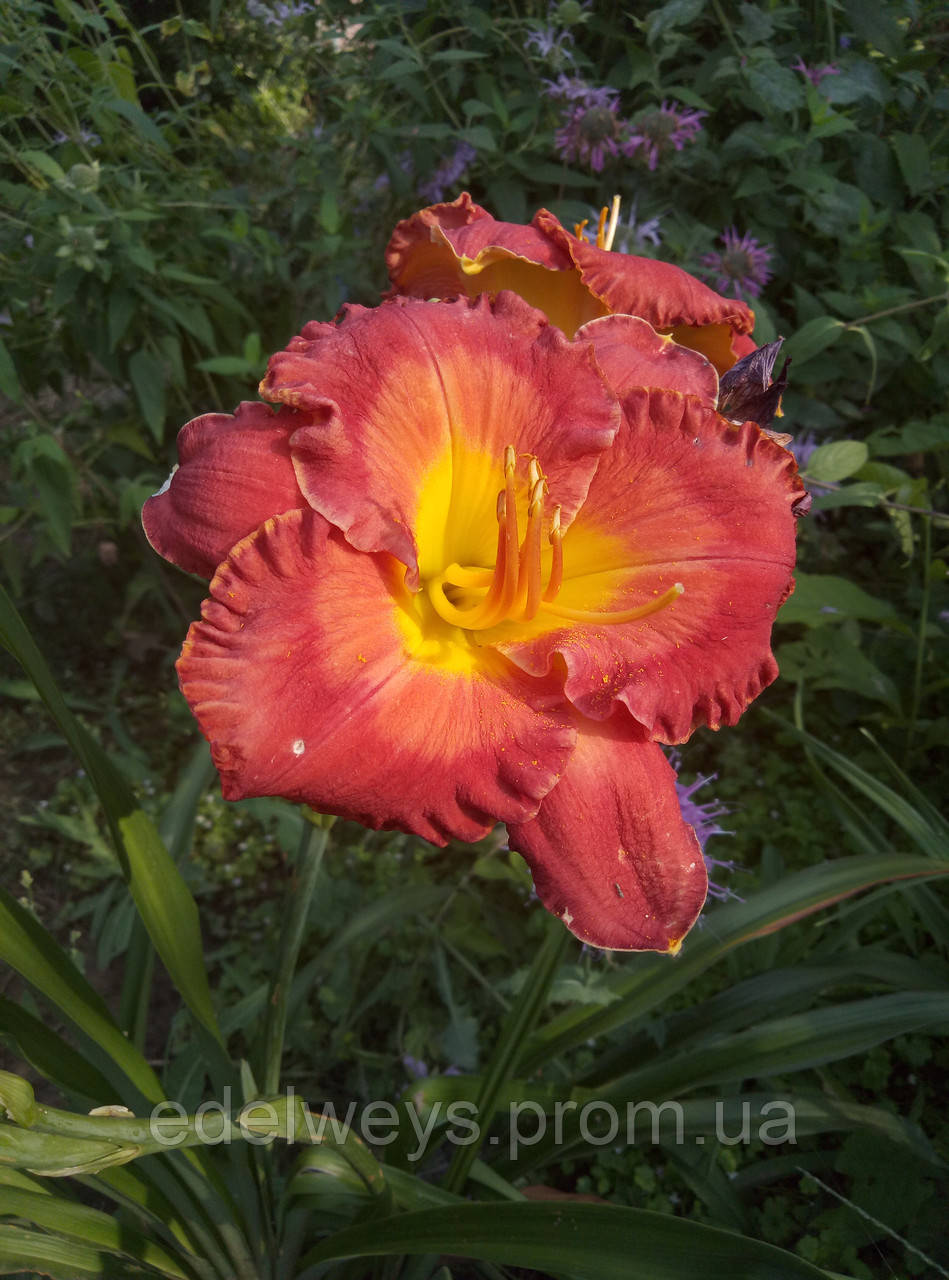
[
  {"x": 167, "y": 485},
  {"x": 299, "y": 747},
  {"x": 567, "y": 918}
]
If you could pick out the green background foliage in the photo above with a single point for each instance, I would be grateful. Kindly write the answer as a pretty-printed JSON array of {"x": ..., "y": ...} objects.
[{"x": 180, "y": 191}]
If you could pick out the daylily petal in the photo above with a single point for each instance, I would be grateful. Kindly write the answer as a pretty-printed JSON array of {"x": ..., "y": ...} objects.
[
  {"x": 455, "y": 248},
  {"x": 414, "y": 397},
  {"x": 666, "y": 296},
  {"x": 232, "y": 474},
  {"x": 609, "y": 851},
  {"x": 686, "y": 498},
  {"x": 312, "y": 679},
  {"x": 632, "y": 354}
]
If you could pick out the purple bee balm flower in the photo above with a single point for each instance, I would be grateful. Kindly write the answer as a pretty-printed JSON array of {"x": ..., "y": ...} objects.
[
  {"x": 667, "y": 129},
  {"x": 593, "y": 131},
  {"x": 550, "y": 43},
  {"x": 741, "y": 270},
  {"x": 815, "y": 74},
  {"x": 447, "y": 174},
  {"x": 703, "y": 818}
]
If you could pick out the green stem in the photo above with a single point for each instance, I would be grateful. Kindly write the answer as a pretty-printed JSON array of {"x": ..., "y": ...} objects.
[
  {"x": 892, "y": 311},
  {"x": 920, "y": 640},
  {"x": 510, "y": 1046},
  {"x": 305, "y": 875}
]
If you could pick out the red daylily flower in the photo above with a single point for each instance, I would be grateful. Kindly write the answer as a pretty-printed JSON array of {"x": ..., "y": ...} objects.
[
  {"x": 472, "y": 571},
  {"x": 459, "y": 248}
]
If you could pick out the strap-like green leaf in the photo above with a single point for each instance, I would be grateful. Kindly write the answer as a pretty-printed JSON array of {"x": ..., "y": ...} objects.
[
  {"x": 590, "y": 1241},
  {"x": 161, "y": 895}
]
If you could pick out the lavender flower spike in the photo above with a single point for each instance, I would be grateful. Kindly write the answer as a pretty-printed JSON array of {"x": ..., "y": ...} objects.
[{"x": 448, "y": 172}]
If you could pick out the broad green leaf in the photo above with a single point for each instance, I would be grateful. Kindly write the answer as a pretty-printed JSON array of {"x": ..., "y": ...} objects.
[
  {"x": 160, "y": 893},
  {"x": 42, "y": 163},
  {"x": 912, "y": 154},
  {"x": 589, "y": 1241},
  {"x": 813, "y": 338},
  {"x": 819, "y": 598},
  {"x": 913, "y": 437},
  {"x": 836, "y": 461},
  {"x": 148, "y": 378}
]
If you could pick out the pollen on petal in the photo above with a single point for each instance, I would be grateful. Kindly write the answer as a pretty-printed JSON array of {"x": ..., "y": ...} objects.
[{"x": 299, "y": 747}]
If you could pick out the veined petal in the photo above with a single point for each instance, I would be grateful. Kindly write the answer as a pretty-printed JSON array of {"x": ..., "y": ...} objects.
[
  {"x": 232, "y": 474},
  {"x": 609, "y": 851},
  {"x": 312, "y": 679},
  {"x": 412, "y": 395},
  {"x": 632, "y": 354},
  {"x": 686, "y": 498}
]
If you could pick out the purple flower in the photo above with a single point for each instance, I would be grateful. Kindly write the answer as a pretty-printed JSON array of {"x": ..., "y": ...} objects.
[
  {"x": 448, "y": 172},
  {"x": 574, "y": 89},
  {"x": 414, "y": 1066},
  {"x": 668, "y": 128},
  {"x": 88, "y": 136},
  {"x": 631, "y": 235},
  {"x": 550, "y": 43},
  {"x": 742, "y": 268},
  {"x": 279, "y": 14},
  {"x": 803, "y": 448},
  {"x": 703, "y": 818},
  {"x": 593, "y": 130},
  {"x": 815, "y": 74}
]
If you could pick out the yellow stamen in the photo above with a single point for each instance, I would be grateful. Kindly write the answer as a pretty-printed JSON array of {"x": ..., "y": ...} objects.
[
  {"x": 623, "y": 615},
  {"x": 605, "y": 235},
  {"x": 514, "y": 591},
  {"x": 555, "y": 581}
]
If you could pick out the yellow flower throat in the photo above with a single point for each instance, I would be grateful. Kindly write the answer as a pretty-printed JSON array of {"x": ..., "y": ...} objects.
[{"x": 476, "y": 597}]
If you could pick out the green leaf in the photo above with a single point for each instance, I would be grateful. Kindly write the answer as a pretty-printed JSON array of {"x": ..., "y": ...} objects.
[
  {"x": 913, "y": 437},
  {"x": 509, "y": 1048},
  {"x": 148, "y": 379},
  {"x": 26, "y": 947},
  {"x": 43, "y": 163},
  {"x": 592, "y": 1241},
  {"x": 9, "y": 381},
  {"x": 912, "y": 155},
  {"x": 655, "y": 979},
  {"x": 813, "y": 338},
  {"x": 235, "y": 365},
  {"x": 161, "y": 895},
  {"x": 91, "y": 1226},
  {"x": 821, "y": 598},
  {"x": 836, "y": 461}
]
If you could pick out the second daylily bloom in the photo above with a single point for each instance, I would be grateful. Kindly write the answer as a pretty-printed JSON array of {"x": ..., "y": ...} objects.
[
  {"x": 471, "y": 571},
  {"x": 459, "y": 248}
]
